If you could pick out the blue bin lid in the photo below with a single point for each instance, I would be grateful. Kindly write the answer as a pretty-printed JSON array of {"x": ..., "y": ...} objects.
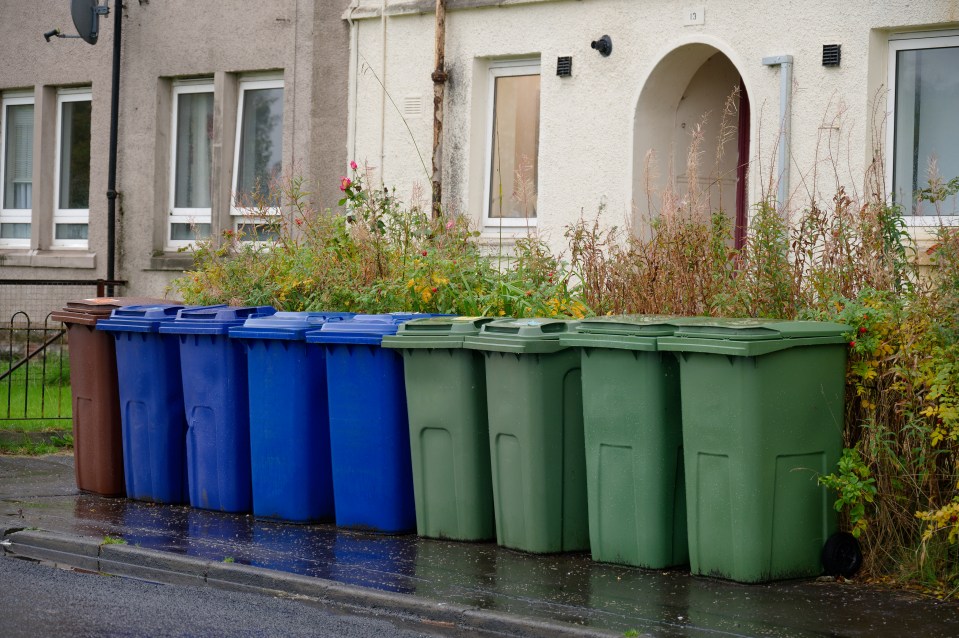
[
  {"x": 212, "y": 320},
  {"x": 363, "y": 329},
  {"x": 141, "y": 318},
  {"x": 286, "y": 325}
]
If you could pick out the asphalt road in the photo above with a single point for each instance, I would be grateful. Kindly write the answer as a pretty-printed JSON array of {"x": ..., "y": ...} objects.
[{"x": 42, "y": 600}]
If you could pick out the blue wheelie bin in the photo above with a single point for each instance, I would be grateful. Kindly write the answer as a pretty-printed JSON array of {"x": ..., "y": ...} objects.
[
  {"x": 152, "y": 417},
  {"x": 217, "y": 405},
  {"x": 289, "y": 419},
  {"x": 369, "y": 431}
]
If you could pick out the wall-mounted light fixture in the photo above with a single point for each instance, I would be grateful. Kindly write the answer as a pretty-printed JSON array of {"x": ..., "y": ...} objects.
[{"x": 604, "y": 45}]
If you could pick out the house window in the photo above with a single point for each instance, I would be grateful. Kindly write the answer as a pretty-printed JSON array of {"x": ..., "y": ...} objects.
[
  {"x": 71, "y": 215},
  {"x": 16, "y": 169},
  {"x": 257, "y": 231},
  {"x": 512, "y": 143},
  {"x": 924, "y": 137},
  {"x": 259, "y": 145},
  {"x": 192, "y": 163}
]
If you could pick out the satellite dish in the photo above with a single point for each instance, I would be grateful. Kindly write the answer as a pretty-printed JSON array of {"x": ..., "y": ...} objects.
[{"x": 86, "y": 18}]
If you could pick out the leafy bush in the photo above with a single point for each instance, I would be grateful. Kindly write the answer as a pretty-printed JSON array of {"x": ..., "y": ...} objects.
[{"x": 380, "y": 256}]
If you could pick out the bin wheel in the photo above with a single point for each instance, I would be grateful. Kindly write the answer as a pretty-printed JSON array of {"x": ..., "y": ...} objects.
[{"x": 841, "y": 555}]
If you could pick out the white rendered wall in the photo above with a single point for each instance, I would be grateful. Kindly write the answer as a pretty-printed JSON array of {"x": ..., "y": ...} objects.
[{"x": 588, "y": 136}]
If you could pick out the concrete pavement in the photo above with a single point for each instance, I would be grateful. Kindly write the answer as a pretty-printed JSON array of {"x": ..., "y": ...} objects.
[{"x": 460, "y": 585}]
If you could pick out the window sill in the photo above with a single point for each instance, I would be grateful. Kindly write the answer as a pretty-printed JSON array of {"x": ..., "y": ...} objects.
[
  {"x": 493, "y": 235},
  {"x": 930, "y": 222},
  {"x": 65, "y": 258},
  {"x": 173, "y": 262}
]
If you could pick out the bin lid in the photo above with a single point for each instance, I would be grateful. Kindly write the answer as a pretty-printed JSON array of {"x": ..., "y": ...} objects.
[
  {"x": 362, "y": 329},
  {"x": 212, "y": 320},
  {"x": 88, "y": 311},
  {"x": 635, "y": 325},
  {"x": 522, "y": 336},
  {"x": 285, "y": 325},
  {"x": 435, "y": 332},
  {"x": 625, "y": 332},
  {"x": 141, "y": 318},
  {"x": 752, "y": 337}
]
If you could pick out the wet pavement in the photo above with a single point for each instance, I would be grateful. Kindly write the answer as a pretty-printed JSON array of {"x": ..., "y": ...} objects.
[{"x": 39, "y": 492}]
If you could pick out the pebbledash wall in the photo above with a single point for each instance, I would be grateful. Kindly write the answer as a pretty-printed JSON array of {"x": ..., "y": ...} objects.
[
  {"x": 299, "y": 45},
  {"x": 671, "y": 62}
]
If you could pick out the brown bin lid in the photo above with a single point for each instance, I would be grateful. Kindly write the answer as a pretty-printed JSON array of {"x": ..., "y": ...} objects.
[{"x": 87, "y": 312}]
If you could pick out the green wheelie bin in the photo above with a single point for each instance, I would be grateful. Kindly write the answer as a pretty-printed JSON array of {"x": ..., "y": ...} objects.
[
  {"x": 762, "y": 404},
  {"x": 449, "y": 430},
  {"x": 634, "y": 441},
  {"x": 535, "y": 405}
]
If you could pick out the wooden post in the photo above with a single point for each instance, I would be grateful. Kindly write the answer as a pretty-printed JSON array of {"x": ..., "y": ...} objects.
[{"x": 439, "y": 93}]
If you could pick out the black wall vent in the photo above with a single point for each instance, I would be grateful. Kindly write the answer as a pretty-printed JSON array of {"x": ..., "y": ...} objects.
[
  {"x": 564, "y": 66},
  {"x": 831, "y": 54}
]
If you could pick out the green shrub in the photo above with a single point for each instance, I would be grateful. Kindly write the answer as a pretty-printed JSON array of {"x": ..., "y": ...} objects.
[{"x": 379, "y": 256}]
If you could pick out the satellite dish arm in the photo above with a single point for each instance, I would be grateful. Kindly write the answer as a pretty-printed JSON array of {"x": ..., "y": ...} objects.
[
  {"x": 56, "y": 33},
  {"x": 99, "y": 10}
]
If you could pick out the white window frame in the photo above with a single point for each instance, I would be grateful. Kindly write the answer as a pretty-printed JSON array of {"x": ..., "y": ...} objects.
[
  {"x": 908, "y": 42},
  {"x": 501, "y": 68},
  {"x": 68, "y": 215},
  {"x": 13, "y": 215},
  {"x": 247, "y": 215},
  {"x": 184, "y": 215}
]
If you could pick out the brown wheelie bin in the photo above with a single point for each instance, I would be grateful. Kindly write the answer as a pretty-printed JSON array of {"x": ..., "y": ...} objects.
[{"x": 98, "y": 448}]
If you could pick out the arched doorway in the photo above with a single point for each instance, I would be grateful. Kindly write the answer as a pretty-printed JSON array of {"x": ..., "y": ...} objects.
[{"x": 695, "y": 88}]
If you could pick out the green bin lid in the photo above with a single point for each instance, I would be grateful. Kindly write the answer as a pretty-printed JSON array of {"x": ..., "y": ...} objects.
[
  {"x": 623, "y": 332},
  {"x": 522, "y": 336},
  {"x": 752, "y": 337},
  {"x": 435, "y": 332},
  {"x": 632, "y": 325},
  {"x": 760, "y": 329}
]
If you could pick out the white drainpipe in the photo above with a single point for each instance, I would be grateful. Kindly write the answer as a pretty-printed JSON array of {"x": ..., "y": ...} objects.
[
  {"x": 354, "y": 76},
  {"x": 785, "y": 64},
  {"x": 383, "y": 94}
]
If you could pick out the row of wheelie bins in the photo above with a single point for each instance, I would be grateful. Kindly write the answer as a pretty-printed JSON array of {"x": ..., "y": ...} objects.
[
  {"x": 650, "y": 441},
  {"x": 227, "y": 409}
]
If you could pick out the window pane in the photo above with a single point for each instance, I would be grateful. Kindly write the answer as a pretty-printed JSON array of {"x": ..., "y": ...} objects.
[
  {"x": 258, "y": 232},
  {"x": 515, "y": 146},
  {"x": 926, "y": 135},
  {"x": 194, "y": 151},
  {"x": 18, "y": 156},
  {"x": 71, "y": 231},
  {"x": 14, "y": 231},
  {"x": 189, "y": 232},
  {"x": 75, "y": 156},
  {"x": 261, "y": 143}
]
